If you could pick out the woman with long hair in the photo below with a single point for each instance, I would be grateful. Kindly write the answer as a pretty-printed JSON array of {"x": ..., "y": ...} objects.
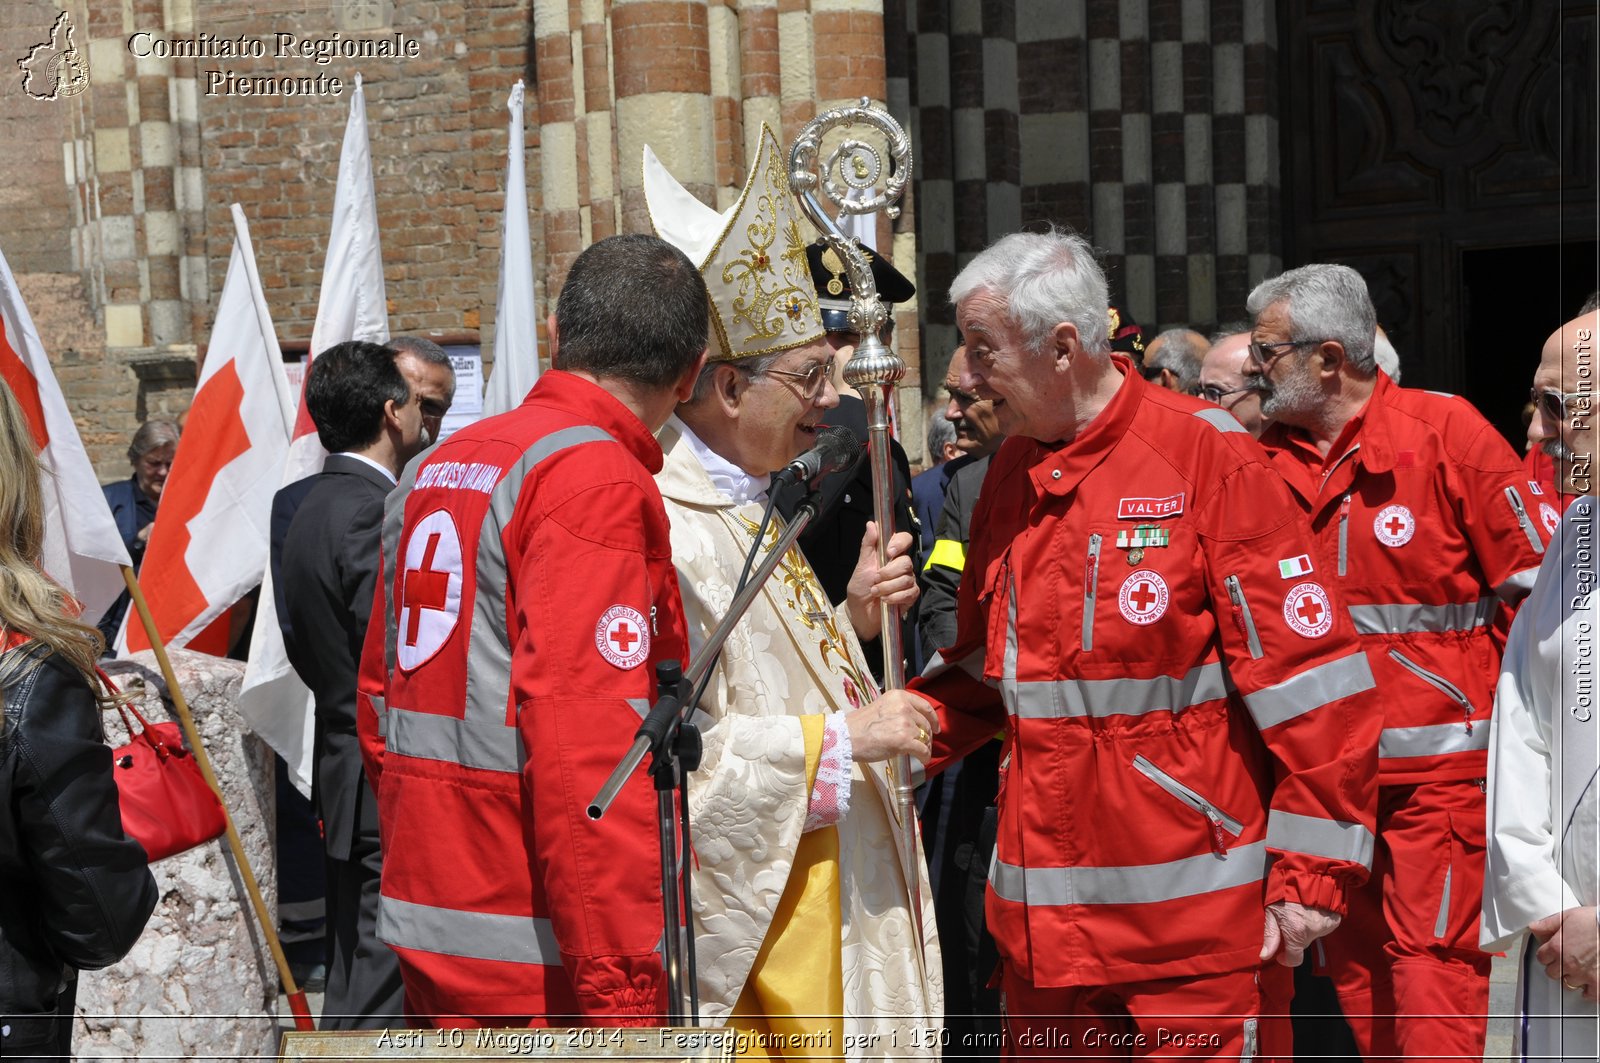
[{"x": 75, "y": 890}]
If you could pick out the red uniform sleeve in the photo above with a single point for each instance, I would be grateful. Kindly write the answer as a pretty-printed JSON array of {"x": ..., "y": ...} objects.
[
  {"x": 970, "y": 710},
  {"x": 1501, "y": 517},
  {"x": 1292, "y": 654},
  {"x": 371, "y": 678},
  {"x": 597, "y": 606}
]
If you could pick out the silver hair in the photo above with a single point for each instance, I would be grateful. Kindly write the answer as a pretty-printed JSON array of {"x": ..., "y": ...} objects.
[
  {"x": 1386, "y": 357},
  {"x": 1325, "y": 302},
  {"x": 940, "y": 432},
  {"x": 1181, "y": 352},
  {"x": 1046, "y": 278},
  {"x": 1228, "y": 328},
  {"x": 151, "y": 434},
  {"x": 754, "y": 366}
]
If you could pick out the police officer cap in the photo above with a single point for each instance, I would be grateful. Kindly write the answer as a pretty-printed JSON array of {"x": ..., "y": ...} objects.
[
  {"x": 832, "y": 282},
  {"x": 1125, "y": 334}
]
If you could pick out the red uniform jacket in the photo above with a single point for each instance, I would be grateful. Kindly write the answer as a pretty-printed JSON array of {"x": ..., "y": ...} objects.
[
  {"x": 1184, "y": 697},
  {"x": 527, "y": 593},
  {"x": 1425, "y": 519}
]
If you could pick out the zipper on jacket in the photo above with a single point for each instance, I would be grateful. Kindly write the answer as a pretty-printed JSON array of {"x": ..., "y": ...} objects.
[
  {"x": 1344, "y": 534},
  {"x": 1091, "y": 579},
  {"x": 1439, "y": 683},
  {"x": 1522, "y": 519},
  {"x": 1219, "y": 820},
  {"x": 1241, "y": 613}
]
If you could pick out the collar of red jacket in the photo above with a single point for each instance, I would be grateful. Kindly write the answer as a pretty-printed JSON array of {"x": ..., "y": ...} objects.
[
  {"x": 568, "y": 391},
  {"x": 1058, "y": 468},
  {"x": 1371, "y": 427}
]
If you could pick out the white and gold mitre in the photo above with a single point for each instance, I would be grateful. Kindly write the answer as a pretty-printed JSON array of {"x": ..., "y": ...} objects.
[{"x": 752, "y": 256}]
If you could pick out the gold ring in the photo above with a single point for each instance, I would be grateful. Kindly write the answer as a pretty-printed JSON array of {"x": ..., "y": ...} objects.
[{"x": 922, "y": 735}]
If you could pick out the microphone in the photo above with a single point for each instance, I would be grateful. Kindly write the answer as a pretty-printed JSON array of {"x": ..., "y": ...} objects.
[{"x": 837, "y": 448}]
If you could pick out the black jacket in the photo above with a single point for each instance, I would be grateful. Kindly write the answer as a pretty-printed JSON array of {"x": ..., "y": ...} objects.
[
  {"x": 329, "y": 567},
  {"x": 75, "y": 891},
  {"x": 941, "y": 577}
]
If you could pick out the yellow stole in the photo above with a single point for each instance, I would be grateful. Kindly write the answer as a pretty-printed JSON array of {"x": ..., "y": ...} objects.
[{"x": 792, "y": 1003}]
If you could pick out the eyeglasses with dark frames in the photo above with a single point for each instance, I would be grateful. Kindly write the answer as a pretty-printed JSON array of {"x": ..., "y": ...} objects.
[
  {"x": 1262, "y": 355},
  {"x": 1214, "y": 394}
]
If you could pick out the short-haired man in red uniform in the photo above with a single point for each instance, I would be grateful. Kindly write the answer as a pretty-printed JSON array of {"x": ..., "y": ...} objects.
[
  {"x": 1187, "y": 784},
  {"x": 527, "y": 592},
  {"x": 1425, "y": 521}
]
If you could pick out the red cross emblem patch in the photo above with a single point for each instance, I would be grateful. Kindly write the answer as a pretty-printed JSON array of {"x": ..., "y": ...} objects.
[
  {"x": 430, "y": 589},
  {"x": 1549, "y": 517},
  {"x": 1307, "y": 610},
  {"x": 623, "y": 636},
  {"x": 1143, "y": 597},
  {"x": 1394, "y": 525}
]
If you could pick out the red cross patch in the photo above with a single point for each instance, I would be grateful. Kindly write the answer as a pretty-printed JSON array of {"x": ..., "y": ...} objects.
[
  {"x": 1307, "y": 610},
  {"x": 1394, "y": 525},
  {"x": 1549, "y": 517},
  {"x": 430, "y": 589},
  {"x": 623, "y": 636},
  {"x": 1143, "y": 597}
]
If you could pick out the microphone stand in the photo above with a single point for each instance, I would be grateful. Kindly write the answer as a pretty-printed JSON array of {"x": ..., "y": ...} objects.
[{"x": 673, "y": 743}]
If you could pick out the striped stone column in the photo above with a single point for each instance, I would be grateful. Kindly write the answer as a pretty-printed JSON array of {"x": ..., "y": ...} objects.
[
  {"x": 1228, "y": 158},
  {"x": 1262, "y": 183},
  {"x": 760, "y": 71},
  {"x": 601, "y": 209},
  {"x": 662, "y": 79},
  {"x": 1199, "y": 202},
  {"x": 559, "y": 162},
  {"x": 1106, "y": 167}
]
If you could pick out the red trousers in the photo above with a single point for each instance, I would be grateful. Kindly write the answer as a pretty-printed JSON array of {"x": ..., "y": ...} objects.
[
  {"x": 1405, "y": 961},
  {"x": 1242, "y": 1015}
]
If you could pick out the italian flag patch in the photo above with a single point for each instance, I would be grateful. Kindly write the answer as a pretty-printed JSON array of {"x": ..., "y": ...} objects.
[{"x": 1291, "y": 567}]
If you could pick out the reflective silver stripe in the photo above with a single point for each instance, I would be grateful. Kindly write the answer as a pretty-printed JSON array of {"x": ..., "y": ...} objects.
[
  {"x": 471, "y": 744},
  {"x": 1091, "y": 587},
  {"x": 488, "y": 649},
  {"x": 1055, "y": 699},
  {"x": 1040, "y": 887},
  {"x": 476, "y": 935},
  {"x": 1411, "y": 617},
  {"x": 639, "y": 705},
  {"x": 1521, "y": 513},
  {"x": 1220, "y": 419},
  {"x": 1310, "y": 689},
  {"x": 1518, "y": 585},
  {"x": 1431, "y": 741},
  {"x": 380, "y": 707},
  {"x": 1328, "y": 838},
  {"x": 1009, "y": 665},
  {"x": 1443, "y": 921},
  {"x": 972, "y": 664}
]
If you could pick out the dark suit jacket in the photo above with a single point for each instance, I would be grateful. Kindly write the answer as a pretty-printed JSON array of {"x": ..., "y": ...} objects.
[
  {"x": 284, "y": 505},
  {"x": 329, "y": 566},
  {"x": 833, "y": 541}
]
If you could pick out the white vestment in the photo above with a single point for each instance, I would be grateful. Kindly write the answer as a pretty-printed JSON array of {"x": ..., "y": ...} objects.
[
  {"x": 793, "y": 653},
  {"x": 1543, "y": 832}
]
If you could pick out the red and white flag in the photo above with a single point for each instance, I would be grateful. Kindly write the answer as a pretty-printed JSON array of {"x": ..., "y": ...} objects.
[
  {"x": 82, "y": 549},
  {"x": 209, "y": 543},
  {"x": 516, "y": 328},
  {"x": 352, "y": 306}
]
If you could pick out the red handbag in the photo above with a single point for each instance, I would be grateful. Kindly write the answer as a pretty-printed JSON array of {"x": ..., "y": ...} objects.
[{"x": 167, "y": 806}]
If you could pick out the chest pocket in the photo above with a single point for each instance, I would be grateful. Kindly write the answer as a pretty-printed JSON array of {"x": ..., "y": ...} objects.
[{"x": 1131, "y": 587}]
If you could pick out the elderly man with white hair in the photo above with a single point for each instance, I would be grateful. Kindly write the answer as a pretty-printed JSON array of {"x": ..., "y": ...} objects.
[
  {"x": 1186, "y": 791},
  {"x": 1424, "y": 520}
]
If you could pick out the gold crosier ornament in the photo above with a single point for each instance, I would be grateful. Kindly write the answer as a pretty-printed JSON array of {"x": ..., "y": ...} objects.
[{"x": 857, "y": 166}]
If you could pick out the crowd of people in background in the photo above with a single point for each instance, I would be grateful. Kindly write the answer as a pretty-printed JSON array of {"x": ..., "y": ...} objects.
[{"x": 1208, "y": 633}]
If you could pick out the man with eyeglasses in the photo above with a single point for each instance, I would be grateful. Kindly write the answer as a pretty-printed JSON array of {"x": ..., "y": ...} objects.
[
  {"x": 1187, "y": 786},
  {"x": 803, "y": 921},
  {"x": 1542, "y": 883},
  {"x": 1223, "y": 382},
  {"x": 371, "y": 405},
  {"x": 1424, "y": 521}
]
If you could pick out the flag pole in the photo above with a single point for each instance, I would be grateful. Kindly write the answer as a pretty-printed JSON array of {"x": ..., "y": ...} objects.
[{"x": 297, "y": 996}]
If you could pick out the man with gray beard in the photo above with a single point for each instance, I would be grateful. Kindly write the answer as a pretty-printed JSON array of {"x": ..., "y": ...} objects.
[{"x": 1423, "y": 517}]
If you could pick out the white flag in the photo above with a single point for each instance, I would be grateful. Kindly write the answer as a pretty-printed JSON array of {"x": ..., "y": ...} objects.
[
  {"x": 83, "y": 550},
  {"x": 208, "y": 546},
  {"x": 352, "y": 306},
  {"x": 516, "y": 338}
]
